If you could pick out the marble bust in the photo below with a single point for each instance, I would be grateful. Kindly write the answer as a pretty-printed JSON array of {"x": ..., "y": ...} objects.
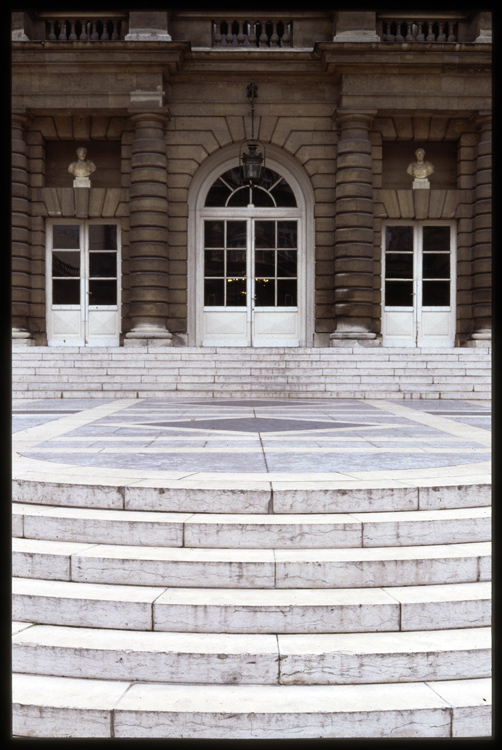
[
  {"x": 81, "y": 169},
  {"x": 420, "y": 170}
]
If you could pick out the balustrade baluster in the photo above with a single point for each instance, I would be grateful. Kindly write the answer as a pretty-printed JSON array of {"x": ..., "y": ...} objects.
[
  {"x": 241, "y": 38},
  {"x": 399, "y": 37},
  {"x": 263, "y": 36},
  {"x": 388, "y": 35},
  {"x": 409, "y": 36},
  {"x": 286, "y": 37},
  {"x": 94, "y": 35},
  {"x": 252, "y": 34},
  {"x": 420, "y": 36},
  {"x": 217, "y": 38},
  {"x": 430, "y": 35},
  {"x": 62, "y": 32},
  {"x": 105, "y": 36},
  {"x": 51, "y": 35},
  {"x": 84, "y": 36},
  {"x": 73, "y": 37},
  {"x": 274, "y": 39},
  {"x": 441, "y": 35},
  {"x": 451, "y": 36},
  {"x": 229, "y": 38}
]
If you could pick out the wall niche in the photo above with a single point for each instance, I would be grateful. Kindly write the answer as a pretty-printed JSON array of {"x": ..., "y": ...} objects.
[
  {"x": 105, "y": 155},
  {"x": 397, "y": 155}
]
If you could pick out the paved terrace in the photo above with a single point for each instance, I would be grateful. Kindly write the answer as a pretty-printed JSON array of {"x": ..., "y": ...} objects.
[{"x": 247, "y": 444}]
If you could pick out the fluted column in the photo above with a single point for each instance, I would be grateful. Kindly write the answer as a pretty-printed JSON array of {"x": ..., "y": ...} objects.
[
  {"x": 482, "y": 237},
  {"x": 148, "y": 246},
  {"x": 20, "y": 234},
  {"x": 354, "y": 232}
]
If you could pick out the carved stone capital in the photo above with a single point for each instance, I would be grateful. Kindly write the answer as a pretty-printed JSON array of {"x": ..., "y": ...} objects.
[{"x": 344, "y": 119}]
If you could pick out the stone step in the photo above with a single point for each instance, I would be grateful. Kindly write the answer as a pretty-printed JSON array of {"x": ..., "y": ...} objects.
[
  {"x": 255, "y": 497},
  {"x": 74, "y": 372},
  {"x": 154, "y": 529},
  {"x": 46, "y": 706},
  {"x": 252, "y": 568},
  {"x": 212, "y": 658},
  {"x": 205, "y": 610}
]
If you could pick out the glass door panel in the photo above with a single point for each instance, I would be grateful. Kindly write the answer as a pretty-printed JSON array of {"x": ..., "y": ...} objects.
[
  {"x": 418, "y": 285},
  {"x": 83, "y": 298}
]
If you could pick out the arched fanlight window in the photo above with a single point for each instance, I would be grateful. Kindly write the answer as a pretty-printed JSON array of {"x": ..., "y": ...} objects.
[{"x": 272, "y": 192}]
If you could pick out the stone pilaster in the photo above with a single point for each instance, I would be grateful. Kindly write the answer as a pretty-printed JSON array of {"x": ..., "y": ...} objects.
[
  {"x": 354, "y": 232},
  {"x": 20, "y": 234},
  {"x": 148, "y": 244},
  {"x": 482, "y": 237}
]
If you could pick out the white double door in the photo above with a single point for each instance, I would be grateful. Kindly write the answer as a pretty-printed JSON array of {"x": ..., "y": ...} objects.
[
  {"x": 251, "y": 271},
  {"x": 83, "y": 283},
  {"x": 418, "y": 284}
]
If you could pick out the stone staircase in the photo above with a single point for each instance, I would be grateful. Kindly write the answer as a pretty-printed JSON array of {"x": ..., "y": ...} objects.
[
  {"x": 219, "y": 613},
  {"x": 389, "y": 373}
]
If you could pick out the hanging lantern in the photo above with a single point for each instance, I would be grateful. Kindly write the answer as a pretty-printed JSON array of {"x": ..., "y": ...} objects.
[{"x": 251, "y": 162}]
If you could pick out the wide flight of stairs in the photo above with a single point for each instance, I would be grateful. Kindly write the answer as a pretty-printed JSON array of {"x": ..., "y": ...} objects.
[
  {"x": 117, "y": 372},
  {"x": 233, "y": 615}
]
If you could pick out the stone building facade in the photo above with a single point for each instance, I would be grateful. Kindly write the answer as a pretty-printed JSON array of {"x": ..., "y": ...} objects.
[{"x": 166, "y": 245}]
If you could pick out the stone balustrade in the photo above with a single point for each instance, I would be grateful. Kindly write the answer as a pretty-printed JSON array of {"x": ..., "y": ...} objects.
[
  {"x": 228, "y": 33},
  {"x": 400, "y": 31},
  {"x": 96, "y": 29}
]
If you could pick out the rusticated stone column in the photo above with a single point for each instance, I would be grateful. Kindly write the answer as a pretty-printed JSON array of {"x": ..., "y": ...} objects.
[
  {"x": 482, "y": 237},
  {"x": 354, "y": 233},
  {"x": 20, "y": 234},
  {"x": 148, "y": 255}
]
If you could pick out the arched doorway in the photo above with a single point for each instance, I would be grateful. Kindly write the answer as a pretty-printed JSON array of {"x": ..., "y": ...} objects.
[{"x": 252, "y": 259}]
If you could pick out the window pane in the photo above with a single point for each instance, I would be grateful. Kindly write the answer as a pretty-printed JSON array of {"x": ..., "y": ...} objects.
[
  {"x": 236, "y": 234},
  {"x": 236, "y": 292},
  {"x": 214, "y": 292},
  {"x": 287, "y": 234},
  {"x": 102, "y": 292},
  {"x": 284, "y": 196},
  {"x": 265, "y": 292},
  {"x": 102, "y": 236},
  {"x": 399, "y": 239},
  {"x": 214, "y": 234},
  {"x": 65, "y": 264},
  {"x": 436, "y": 293},
  {"x": 103, "y": 264},
  {"x": 233, "y": 178},
  {"x": 399, "y": 294},
  {"x": 214, "y": 263},
  {"x": 66, "y": 292},
  {"x": 398, "y": 265},
  {"x": 436, "y": 265},
  {"x": 265, "y": 233},
  {"x": 286, "y": 263},
  {"x": 264, "y": 263},
  {"x": 236, "y": 262},
  {"x": 218, "y": 194},
  {"x": 240, "y": 197},
  {"x": 436, "y": 238},
  {"x": 66, "y": 236},
  {"x": 286, "y": 292},
  {"x": 261, "y": 198}
]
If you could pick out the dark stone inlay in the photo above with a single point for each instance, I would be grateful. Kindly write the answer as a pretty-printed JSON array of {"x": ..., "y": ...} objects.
[{"x": 256, "y": 424}]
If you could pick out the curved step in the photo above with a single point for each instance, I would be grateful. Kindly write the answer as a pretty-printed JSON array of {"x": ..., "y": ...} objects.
[
  {"x": 208, "y": 658},
  {"x": 311, "y": 531},
  {"x": 254, "y": 496},
  {"x": 71, "y": 707},
  {"x": 243, "y": 568},
  {"x": 195, "y": 610}
]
